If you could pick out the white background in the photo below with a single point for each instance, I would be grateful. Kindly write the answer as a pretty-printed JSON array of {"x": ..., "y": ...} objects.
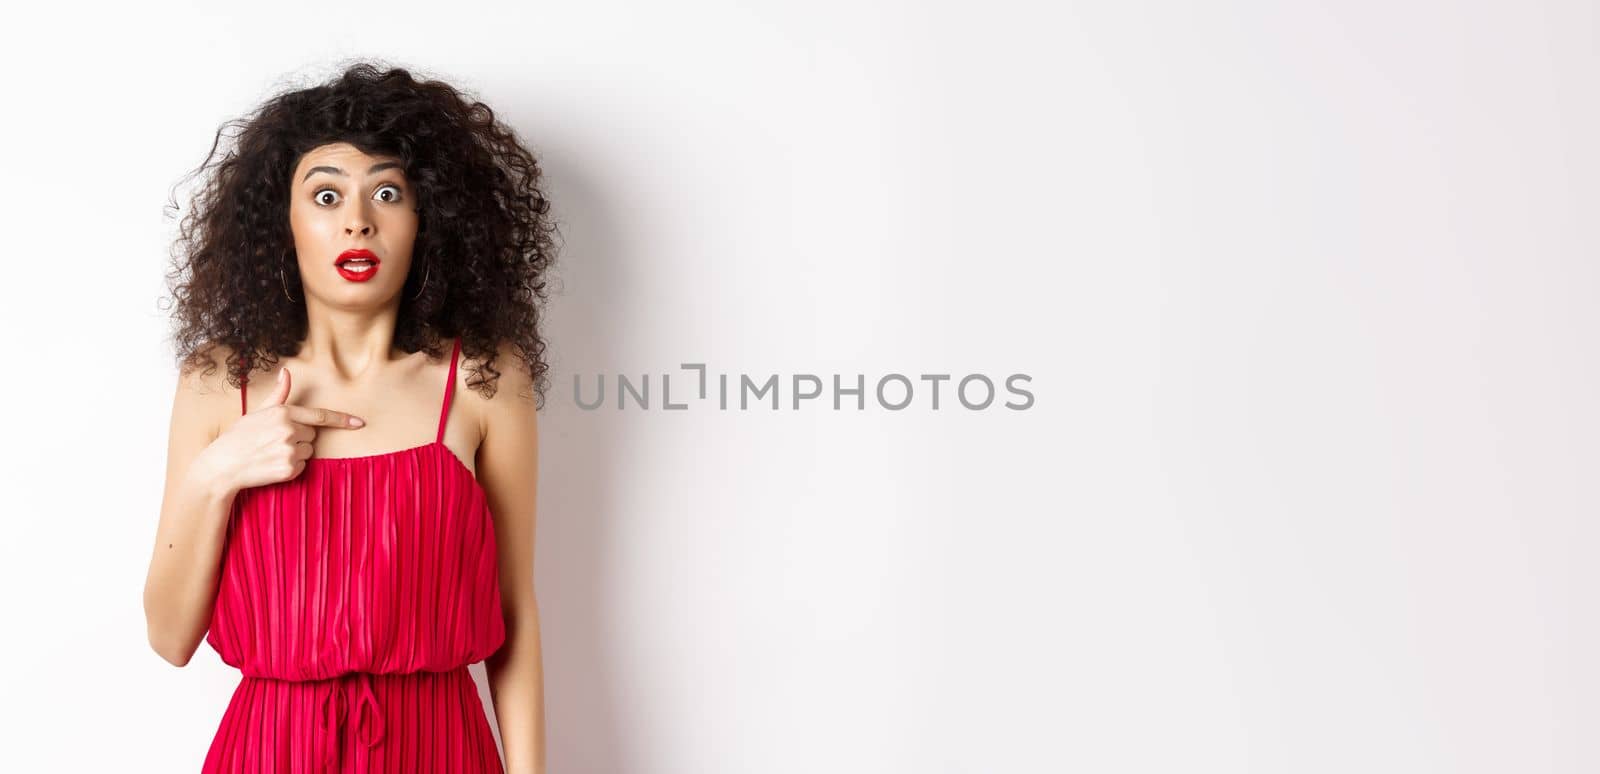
[{"x": 1307, "y": 292}]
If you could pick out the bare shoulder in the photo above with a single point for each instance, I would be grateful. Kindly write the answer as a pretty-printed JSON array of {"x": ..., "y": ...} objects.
[
  {"x": 512, "y": 404},
  {"x": 203, "y": 404}
]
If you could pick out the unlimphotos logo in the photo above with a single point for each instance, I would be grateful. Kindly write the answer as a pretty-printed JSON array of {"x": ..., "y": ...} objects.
[{"x": 893, "y": 391}]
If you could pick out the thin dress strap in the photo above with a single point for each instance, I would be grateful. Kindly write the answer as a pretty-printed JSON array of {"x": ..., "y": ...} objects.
[
  {"x": 244, "y": 385},
  {"x": 449, "y": 390}
]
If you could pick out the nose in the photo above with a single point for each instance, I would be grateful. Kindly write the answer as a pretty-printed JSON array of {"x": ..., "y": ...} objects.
[{"x": 357, "y": 222}]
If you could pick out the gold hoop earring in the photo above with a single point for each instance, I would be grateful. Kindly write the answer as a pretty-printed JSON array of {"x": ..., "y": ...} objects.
[
  {"x": 284, "y": 283},
  {"x": 425, "y": 274}
]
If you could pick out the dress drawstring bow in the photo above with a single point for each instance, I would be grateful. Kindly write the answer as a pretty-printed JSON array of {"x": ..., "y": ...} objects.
[{"x": 333, "y": 717}]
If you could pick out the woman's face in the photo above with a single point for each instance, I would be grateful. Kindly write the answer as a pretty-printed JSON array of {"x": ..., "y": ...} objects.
[{"x": 345, "y": 201}]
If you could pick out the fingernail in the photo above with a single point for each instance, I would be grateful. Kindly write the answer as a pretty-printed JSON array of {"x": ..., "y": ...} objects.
[{"x": 356, "y": 422}]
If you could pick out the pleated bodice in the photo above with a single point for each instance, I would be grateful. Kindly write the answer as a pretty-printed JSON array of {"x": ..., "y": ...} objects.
[{"x": 381, "y": 564}]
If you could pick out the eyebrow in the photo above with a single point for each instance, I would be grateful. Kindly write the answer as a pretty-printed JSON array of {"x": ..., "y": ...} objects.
[{"x": 378, "y": 167}]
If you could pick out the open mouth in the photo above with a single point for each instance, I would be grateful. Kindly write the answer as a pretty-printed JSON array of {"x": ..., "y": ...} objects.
[{"x": 357, "y": 265}]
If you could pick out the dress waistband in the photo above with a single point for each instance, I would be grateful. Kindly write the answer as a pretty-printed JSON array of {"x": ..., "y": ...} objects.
[{"x": 349, "y": 694}]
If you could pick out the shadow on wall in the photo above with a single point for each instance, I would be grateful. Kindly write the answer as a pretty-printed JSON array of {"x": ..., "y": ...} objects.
[{"x": 574, "y": 564}]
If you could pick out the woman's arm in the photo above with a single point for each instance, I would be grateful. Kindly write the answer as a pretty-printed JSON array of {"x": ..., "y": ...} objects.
[
  {"x": 180, "y": 587},
  {"x": 508, "y": 468},
  {"x": 205, "y": 469}
]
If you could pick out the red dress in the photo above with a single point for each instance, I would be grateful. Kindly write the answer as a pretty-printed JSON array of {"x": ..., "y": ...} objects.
[{"x": 352, "y": 597}]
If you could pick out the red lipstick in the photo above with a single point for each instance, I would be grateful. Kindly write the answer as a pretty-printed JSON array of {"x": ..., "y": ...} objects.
[{"x": 357, "y": 265}]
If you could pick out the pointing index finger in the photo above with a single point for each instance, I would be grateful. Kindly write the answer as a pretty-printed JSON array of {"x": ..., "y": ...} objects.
[{"x": 322, "y": 417}]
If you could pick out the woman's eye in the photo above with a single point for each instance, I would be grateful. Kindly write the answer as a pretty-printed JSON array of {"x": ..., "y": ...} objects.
[
  {"x": 326, "y": 197},
  {"x": 394, "y": 193}
]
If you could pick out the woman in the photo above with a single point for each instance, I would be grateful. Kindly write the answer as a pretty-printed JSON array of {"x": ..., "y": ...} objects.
[{"x": 353, "y": 271}]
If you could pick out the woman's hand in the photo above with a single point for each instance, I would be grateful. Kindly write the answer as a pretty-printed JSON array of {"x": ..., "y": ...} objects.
[{"x": 272, "y": 443}]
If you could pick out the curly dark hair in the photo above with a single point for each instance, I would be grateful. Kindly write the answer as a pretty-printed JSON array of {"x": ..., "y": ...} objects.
[{"x": 483, "y": 227}]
